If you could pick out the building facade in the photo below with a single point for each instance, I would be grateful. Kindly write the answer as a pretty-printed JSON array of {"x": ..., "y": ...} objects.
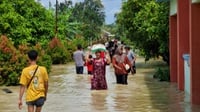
[{"x": 185, "y": 39}]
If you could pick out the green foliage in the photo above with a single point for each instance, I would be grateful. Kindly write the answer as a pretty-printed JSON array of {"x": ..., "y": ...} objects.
[
  {"x": 12, "y": 61},
  {"x": 57, "y": 51},
  {"x": 13, "y": 79},
  {"x": 66, "y": 28},
  {"x": 146, "y": 25},
  {"x": 29, "y": 25},
  {"x": 162, "y": 74},
  {"x": 44, "y": 59},
  {"x": 91, "y": 16},
  {"x": 71, "y": 46},
  {"x": 25, "y": 22},
  {"x": 79, "y": 40}
]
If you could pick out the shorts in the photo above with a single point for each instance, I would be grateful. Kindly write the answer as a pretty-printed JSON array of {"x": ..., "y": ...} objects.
[{"x": 38, "y": 103}]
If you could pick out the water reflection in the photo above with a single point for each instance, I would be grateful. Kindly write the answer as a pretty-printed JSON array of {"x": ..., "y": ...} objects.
[
  {"x": 99, "y": 101},
  {"x": 69, "y": 92}
]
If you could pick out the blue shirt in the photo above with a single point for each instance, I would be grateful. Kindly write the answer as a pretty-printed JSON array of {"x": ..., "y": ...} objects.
[{"x": 131, "y": 56}]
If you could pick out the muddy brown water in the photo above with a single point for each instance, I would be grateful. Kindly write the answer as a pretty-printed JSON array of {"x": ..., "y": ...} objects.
[{"x": 69, "y": 92}]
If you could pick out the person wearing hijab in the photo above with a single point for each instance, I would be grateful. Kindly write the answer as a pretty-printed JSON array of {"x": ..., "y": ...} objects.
[
  {"x": 121, "y": 65},
  {"x": 98, "y": 81}
]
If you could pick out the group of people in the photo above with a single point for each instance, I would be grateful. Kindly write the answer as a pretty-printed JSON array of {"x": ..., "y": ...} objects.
[
  {"x": 34, "y": 78},
  {"x": 121, "y": 57}
]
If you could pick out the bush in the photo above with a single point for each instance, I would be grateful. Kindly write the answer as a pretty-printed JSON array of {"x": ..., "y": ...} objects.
[
  {"x": 8, "y": 62},
  {"x": 43, "y": 58},
  {"x": 12, "y": 61},
  {"x": 162, "y": 74},
  {"x": 71, "y": 47},
  {"x": 57, "y": 51}
]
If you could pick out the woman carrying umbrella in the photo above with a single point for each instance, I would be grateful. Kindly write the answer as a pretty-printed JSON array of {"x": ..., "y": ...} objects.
[{"x": 98, "y": 81}]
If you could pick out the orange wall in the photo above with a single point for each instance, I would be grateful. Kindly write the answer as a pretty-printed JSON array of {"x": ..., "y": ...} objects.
[
  {"x": 182, "y": 38},
  {"x": 195, "y": 52},
  {"x": 173, "y": 48}
]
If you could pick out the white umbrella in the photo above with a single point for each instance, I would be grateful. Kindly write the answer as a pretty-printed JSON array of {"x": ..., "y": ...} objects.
[{"x": 98, "y": 47}]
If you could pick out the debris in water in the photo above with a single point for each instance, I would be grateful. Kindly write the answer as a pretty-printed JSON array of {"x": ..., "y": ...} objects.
[{"x": 7, "y": 90}]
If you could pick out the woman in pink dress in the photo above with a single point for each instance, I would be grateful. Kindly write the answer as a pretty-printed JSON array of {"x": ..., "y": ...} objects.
[{"x": 98, "y": 81}]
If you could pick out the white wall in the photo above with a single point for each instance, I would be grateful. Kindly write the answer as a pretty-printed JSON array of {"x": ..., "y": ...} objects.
[{"x": 173, "y": 7}]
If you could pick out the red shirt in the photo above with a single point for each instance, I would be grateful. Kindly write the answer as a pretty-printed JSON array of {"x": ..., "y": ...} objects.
[
  {"x": 121, "y": 65},
  {"x": 102, "y": 55},
  {"x": 89, "y": 65}
]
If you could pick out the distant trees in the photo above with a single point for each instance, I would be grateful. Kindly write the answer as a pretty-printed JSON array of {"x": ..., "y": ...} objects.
[
  {"x": 67, "y": 29},
  {"x": 26, "y": 24},
  {"x": 29, "y": 22},
  {"x": 92, "y": 16}
]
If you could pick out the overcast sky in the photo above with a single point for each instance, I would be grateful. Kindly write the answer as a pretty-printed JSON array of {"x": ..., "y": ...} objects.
[{"x": 111, "y": 7}]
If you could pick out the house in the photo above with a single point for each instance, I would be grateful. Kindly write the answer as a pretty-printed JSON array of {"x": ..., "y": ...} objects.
[{"x": 184, "y": 24}]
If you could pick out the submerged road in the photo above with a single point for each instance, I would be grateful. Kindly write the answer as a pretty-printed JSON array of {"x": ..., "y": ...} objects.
[{"x": 69, "y": 92}]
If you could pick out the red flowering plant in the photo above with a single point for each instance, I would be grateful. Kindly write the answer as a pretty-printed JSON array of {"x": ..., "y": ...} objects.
[
  {"x": 13, "y": 60},
  {"x": 9, "y": 73},
  {"x": 57, "y": 51}
]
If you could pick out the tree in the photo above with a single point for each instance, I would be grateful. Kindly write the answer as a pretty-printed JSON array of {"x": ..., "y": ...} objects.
[
  {"x": 92, "y": 16},
  {"x": 67, "y": 29},
  {"x": 146, "y": 24},
  {"x": 25, "y": 22}
]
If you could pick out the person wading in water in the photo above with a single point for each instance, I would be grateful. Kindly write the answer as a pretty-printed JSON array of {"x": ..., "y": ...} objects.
[{"x": 120, "y": 61}]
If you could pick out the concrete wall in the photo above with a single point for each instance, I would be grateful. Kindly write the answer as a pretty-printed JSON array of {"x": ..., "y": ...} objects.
[
  {"x": 173, "y": 7},
  {"x": 195, "y": 1}
]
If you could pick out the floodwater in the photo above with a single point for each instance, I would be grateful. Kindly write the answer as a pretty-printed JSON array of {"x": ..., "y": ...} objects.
[{"x": 69, "y": 92}]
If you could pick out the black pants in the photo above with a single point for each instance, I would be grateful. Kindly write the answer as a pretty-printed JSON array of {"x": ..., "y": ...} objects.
[
  {"x": 89, "y": 72},
  {"x": 79, "y": 69},
  {"x": 121, "y": 78}
]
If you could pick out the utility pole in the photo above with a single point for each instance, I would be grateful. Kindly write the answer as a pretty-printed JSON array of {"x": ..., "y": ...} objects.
[
  {"x": 50, "y": 5},
  {"x": 56, "y": 22}
]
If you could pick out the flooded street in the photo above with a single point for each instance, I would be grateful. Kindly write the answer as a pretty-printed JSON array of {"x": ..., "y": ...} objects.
[{"x": 69, "y": 92}]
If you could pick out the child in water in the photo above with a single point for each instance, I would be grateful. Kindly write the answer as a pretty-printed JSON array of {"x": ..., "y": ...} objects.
[{"x": 89, "y": 64}]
